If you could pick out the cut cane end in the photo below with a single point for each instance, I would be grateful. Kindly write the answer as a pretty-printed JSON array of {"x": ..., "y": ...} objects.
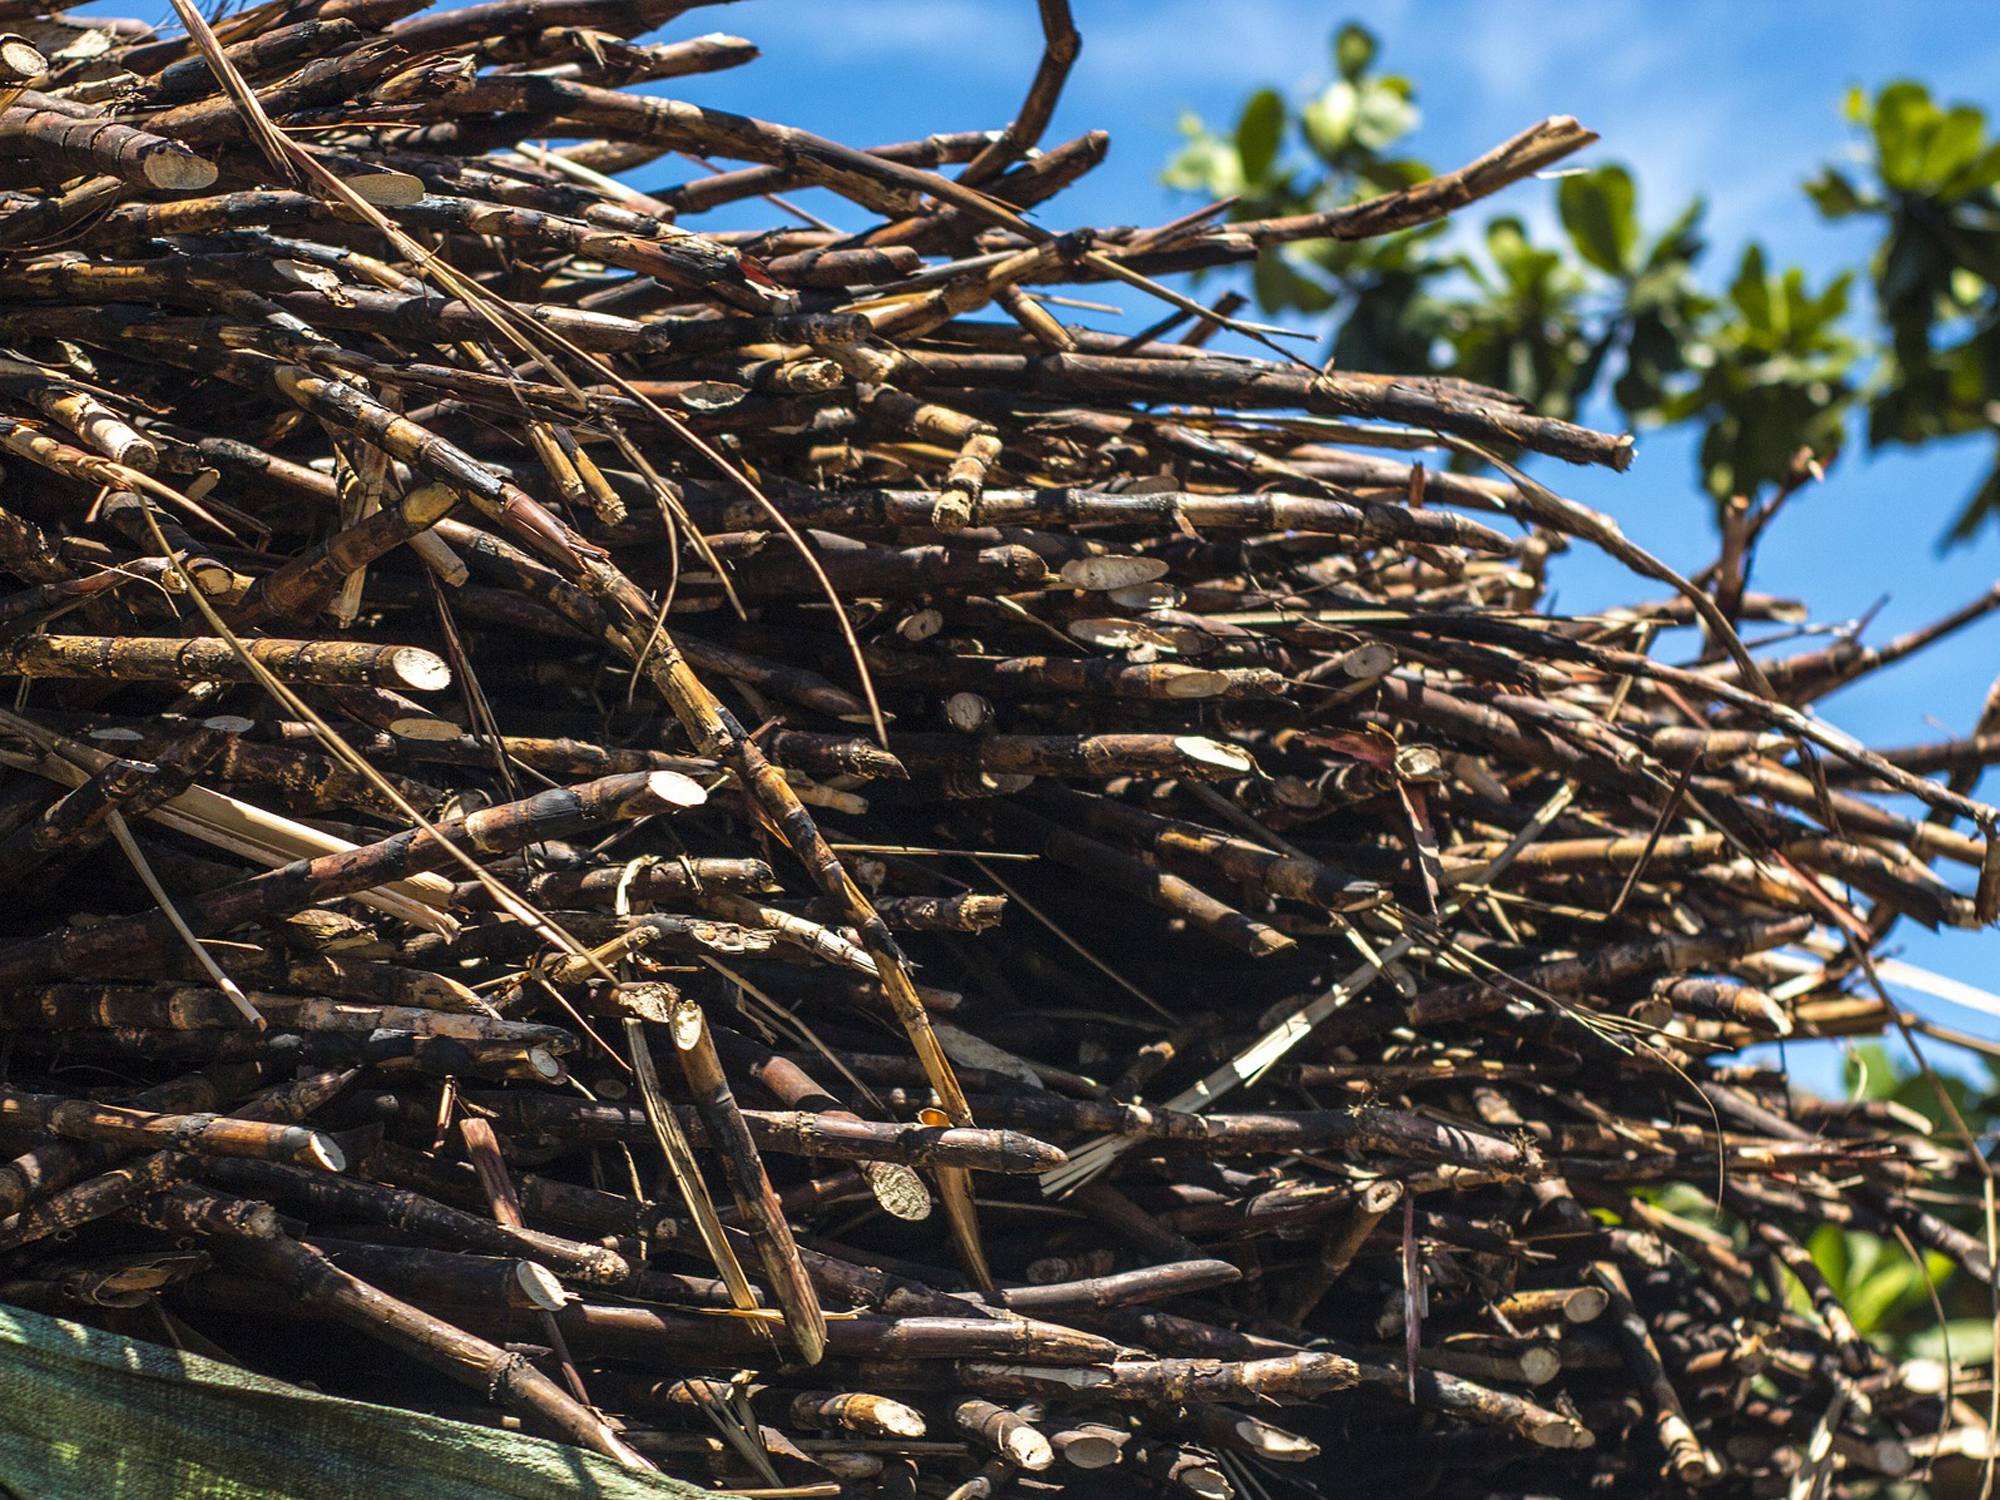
[
  {"x": 1270, "y": 942},
  {"x": 921, "y": 625},
  {"x": 546, "y": 1066},
  {"x": 1540, "y": 1364},
  {"x": 685, "y": 1026},
  {"x": 1195, "y": 683},
  {"x": 1029, "y": 1449},
  {"x": 897, "y": 1420},
  {"x": 675, "y": 790},
  {"x": 326, "y": 1154},
  {"x": 1586, "y": 1304},
  {"x": 180, "y": 171},
  {"x": 1381, "y": 1196},
  {"x": 386, "y": 189},
  {"x": 138, "y": 453},
  {"x": 20, "y": 60},
  {"x": 1274, "y": 1443},
  {"x": 899, "y": 1191},
  {"x": 418, "y": 670},
  {"x": 968, "y": 713},
  {"x": 1777, "y": 1020},
  {"x": 1089, "y": 1451},
  {"x": 1099, "y": 574},
  {"x": 1560, "y": 1432},
  {"x": 1199, "y": 750},
  {"x": 1144, "y": 596},
  {"x": 1369, "y": 659},
  {"x": 540, "y": 1286},
  {"x": 427, "y": 730}
]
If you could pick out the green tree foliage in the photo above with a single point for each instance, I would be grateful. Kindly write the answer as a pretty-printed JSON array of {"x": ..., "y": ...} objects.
[
  {"x": 1911, "y": 1303},
  {"x": 1929, "y": 179},
  {"x": 1611, "y": 313},
  {"x": 1893, "y": 1294}
]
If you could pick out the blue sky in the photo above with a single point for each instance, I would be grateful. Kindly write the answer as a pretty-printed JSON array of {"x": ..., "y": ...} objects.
[{"x": 1738, "y": 101}]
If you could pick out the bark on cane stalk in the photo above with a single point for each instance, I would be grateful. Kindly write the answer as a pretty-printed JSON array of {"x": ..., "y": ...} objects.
[
  {"x": 714, "y": 1101},
  {"x": 131, "y": 659},
  {"x": 791, "y": 629},
  {"x": 313, "y": 1280}
]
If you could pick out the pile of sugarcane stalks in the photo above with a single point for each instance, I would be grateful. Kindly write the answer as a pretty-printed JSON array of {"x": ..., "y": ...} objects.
[{"x": 792, "y": 867}]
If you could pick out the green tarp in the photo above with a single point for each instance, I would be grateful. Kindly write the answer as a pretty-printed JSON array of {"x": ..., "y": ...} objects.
[{"x": 86, "y": 1415}]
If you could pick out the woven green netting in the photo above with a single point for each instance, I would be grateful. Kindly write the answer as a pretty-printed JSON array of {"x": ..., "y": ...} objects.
[{"x": 87, "y": 1415}]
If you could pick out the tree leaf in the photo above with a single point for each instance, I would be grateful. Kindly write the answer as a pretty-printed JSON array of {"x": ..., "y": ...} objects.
[
  {"x": 1953, "y": 144},
  {"x": 1206, "y": 164},
  {"x": 1329, "y": 121},
  {"x": 1681, "y": 240},
  {"x": 1772, "y": 365},
  {"x": 1598, "y": 209},
  {"x": 1258, "y": 134},
  {"x": 1354, "y": 48},
  {"x": 1982, "y": 171},
  {"x": 1384, "y": 114},
  {"x": 1833, "y": 195},
  {"x": 1970, "y": 1341},
  {"x": 1751, "y": 291},
  {"x": 1978, "y": 513},
  {"x": 1904, "y": 120}
]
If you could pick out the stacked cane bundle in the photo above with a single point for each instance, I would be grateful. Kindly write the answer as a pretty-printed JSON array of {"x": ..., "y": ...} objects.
[{"x": 802, "y": 871}]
